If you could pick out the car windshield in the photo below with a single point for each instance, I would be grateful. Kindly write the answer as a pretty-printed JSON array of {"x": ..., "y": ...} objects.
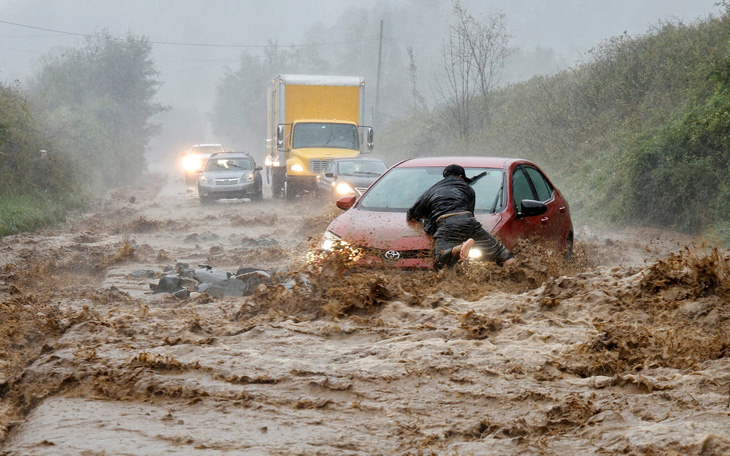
[
  {"x": 228, "y": 164},
  {"x": 206, "y": 149},
  {"x": 310, "y": 134},
  {"x": 398, "y": 189},
  {"x": 361, "y": 168}
]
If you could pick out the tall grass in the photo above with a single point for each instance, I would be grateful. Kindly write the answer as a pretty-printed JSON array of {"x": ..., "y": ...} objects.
[{"x": 33, "y": 211}]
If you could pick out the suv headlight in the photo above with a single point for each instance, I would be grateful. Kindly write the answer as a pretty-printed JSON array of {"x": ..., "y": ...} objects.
[
  {"x": 250, "y": 177},
  {"x": 203, "y": 179}
]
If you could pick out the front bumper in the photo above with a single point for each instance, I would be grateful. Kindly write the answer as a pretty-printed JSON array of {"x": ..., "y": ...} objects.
[{"x": 227, "y": 190}]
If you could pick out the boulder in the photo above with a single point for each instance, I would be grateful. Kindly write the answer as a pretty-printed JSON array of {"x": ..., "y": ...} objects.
[
  {"x": 143, "y": 273},
  {"x": 168, "y": 284},
  {"x": 210, "y": 275}
]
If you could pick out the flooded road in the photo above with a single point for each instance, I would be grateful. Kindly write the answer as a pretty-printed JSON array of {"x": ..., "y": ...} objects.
[{"x": 624, "y": 350}]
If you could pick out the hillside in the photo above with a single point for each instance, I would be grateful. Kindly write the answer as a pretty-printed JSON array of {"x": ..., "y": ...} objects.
[{"x": 636, "y": 135}]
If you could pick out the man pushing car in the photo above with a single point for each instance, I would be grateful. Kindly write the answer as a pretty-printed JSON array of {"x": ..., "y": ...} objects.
[{"x": 447, "y": 213}]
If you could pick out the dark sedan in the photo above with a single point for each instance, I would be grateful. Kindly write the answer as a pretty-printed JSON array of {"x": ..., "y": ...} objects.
[{"x": 350, "y": 176}]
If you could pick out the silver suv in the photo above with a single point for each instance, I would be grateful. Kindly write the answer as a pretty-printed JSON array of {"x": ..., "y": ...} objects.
[{"x": 230, "y": 175}]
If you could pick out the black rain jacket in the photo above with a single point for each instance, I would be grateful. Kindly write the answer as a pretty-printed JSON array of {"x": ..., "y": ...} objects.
[{"x": 449, "y": 195}]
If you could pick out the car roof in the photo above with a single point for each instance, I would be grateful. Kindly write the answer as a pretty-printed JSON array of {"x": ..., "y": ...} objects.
[
  {"x": 466, "y": 162},
  {"x": 231, "y": 154}
]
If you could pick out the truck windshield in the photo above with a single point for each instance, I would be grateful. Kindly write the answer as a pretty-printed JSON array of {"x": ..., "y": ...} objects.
[{"x": 311, "y": 134}]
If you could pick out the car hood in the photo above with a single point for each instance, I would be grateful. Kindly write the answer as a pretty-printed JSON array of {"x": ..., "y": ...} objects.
[
  {"x": 389, "y": 230},
  {"x": 358, "y": 181},
  {"x": 226, "y": 174}
]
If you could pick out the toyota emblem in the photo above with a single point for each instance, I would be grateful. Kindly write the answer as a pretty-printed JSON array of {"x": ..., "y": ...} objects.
[{"x": 392, "y": 255}]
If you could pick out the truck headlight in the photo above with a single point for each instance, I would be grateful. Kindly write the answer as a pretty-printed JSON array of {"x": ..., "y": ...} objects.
[
  {"x": 297, "y": 168},
  {"x": 269, "y": 162},
  {"x": 343, "y": 188}
]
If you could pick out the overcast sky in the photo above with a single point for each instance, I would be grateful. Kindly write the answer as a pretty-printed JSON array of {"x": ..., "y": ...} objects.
[{"x": 189, "y": 73}]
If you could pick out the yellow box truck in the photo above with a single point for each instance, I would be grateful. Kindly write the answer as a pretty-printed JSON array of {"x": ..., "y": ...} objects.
[{"x": 311, "y": 120}]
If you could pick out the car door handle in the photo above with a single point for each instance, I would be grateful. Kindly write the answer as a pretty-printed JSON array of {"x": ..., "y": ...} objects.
[
  {"x": 562, "y": 209},
  {"x": 544, "y": 220}
]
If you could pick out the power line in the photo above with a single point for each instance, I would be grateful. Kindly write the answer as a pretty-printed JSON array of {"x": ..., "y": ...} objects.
[{"x": 175, "y": 43}]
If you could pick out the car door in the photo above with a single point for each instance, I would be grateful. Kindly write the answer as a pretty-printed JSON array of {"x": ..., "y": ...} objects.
[
  {"x": 553, "y": 220},
  {"x": 521, "y": 189}
]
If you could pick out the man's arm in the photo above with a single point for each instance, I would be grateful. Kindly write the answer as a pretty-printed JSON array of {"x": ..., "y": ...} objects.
[{"x": 417, "y": 212}]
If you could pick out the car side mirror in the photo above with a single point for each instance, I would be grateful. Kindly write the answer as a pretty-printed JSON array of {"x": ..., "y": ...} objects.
[
  {"x": 346, "y": 202},
  {"x": 329, "y": 175},
  {"x": 369, "y": 138},
  {"x": 258, "y": 168},
  {"x": 531, "y": 208},
  {"x": 198, "y": 171}
]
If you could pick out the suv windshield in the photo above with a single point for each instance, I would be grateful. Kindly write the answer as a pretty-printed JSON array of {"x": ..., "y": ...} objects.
[
  {"x": 398, "y": 189},
  {"x": 361, "y": 168},
  {"x": 310, "y": 134},
  {"x": 228, "y": 164}
]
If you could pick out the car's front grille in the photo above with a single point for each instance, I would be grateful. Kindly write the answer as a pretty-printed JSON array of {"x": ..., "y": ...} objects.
[
  {"x": 395, "y": 255},
  {"x": 226, "y": 181},
  {"x": 317, "y": 166}
]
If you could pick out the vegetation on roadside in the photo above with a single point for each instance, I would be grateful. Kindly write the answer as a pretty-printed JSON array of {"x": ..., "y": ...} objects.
[
  {"x": 80, "y": 127},
  {"x": 37, "y": 188}
]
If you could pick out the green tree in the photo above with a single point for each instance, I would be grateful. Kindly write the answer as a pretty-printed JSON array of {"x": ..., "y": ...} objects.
[{"x": 98, "y": 100}]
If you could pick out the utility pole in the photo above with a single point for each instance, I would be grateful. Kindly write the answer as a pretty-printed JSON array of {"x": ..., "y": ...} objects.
[{"x": 376, "y": 117}]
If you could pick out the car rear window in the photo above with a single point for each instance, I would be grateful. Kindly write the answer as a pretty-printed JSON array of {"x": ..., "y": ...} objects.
[{"x": 399, "y": 188}]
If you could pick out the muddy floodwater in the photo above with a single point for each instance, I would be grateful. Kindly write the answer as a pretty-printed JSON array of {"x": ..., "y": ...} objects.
[{"x": 624, "y": 350}]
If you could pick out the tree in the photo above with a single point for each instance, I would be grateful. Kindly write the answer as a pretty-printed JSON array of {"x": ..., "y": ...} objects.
[
  {"x": 473, "y": 60},
  {"x": 98, "y": 102},
  {"x": 239, "y": 109}
]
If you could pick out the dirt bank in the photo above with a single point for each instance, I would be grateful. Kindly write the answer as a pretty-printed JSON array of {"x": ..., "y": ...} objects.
[{"x": 624, "y": 350}]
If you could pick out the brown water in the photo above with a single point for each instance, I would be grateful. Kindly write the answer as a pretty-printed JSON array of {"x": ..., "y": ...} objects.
[{"x": 624, "y": 350}]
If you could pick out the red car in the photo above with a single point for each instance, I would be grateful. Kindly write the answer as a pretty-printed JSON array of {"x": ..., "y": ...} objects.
[{"x": 514, "y": 200}]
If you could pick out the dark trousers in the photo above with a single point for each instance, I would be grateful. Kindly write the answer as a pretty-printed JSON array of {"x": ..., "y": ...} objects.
[{"x": 452, "y": 231}]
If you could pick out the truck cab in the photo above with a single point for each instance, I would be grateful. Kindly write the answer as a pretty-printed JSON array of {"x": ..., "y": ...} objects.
[{"x": 311, "y": 121}]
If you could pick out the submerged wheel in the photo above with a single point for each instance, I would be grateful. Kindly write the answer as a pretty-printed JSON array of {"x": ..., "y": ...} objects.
[
  {"x": 568, "y": 253},
  {"x": 277, "y": 186},
  {"x": 290, "y": 191},
  {"x": 258, "y": 195}
]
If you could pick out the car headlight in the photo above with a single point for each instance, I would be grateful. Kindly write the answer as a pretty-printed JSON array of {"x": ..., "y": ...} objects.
[
  {"x": 192, "y": 163},
  {"x": 203, "y": 179},
  {"x": 330, "y": 239},
  {"x": 297, "y": 168},
  {"x": 475, "y": 254},
  {"x": 343, "y": 188},
  {"x": 250, "y": 177}
]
